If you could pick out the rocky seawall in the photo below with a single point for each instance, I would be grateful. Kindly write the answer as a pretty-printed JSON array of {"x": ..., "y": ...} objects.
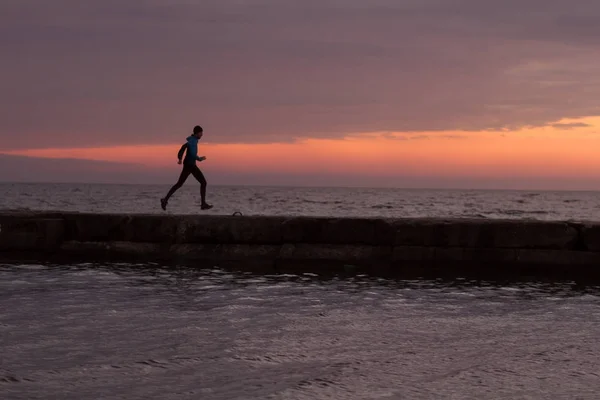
[{"x": 276, "y": 243}]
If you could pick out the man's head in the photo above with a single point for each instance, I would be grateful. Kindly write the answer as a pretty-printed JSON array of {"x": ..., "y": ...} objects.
[{"x": 198, "y": 131}]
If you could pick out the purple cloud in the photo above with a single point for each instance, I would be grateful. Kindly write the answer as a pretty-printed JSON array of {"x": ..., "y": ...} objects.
[
  {"x": 570, "y": 125},
  {"x": 141, "y": 72}
]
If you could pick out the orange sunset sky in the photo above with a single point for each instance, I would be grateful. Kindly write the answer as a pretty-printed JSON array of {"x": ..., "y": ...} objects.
[
  {"x": 403, "y": 93},
  {"x": 534, "y": 152}
]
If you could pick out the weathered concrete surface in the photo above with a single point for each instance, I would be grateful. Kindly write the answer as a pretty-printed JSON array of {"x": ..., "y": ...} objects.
[
  {"x": 281, "y": 240},
  {"x": 590, "y": 236},
  {"x": 484, "y": 233},
  {"x": 17, "y": 233},
  {"x": 229, "y": 229},
  {"x": 337, "y": 231},
  {"x": 335, "y": 252},
  {"x": 227, "y": 252}
]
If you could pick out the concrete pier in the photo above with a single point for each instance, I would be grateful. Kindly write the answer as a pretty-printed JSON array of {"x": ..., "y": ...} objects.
[{"x": 275, "y": 243}]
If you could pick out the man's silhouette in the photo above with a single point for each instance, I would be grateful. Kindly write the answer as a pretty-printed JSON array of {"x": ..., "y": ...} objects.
[{"x": 189, "y": 167}]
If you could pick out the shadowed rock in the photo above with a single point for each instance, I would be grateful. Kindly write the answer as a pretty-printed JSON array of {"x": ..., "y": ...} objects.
[{"x": 287, "y": 240}]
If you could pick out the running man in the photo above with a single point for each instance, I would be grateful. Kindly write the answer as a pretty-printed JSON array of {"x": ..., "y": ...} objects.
[{"x": 189, "y": 167}]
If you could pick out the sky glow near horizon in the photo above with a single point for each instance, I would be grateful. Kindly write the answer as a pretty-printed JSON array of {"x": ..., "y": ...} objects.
[{"x": 459, "y": 92}]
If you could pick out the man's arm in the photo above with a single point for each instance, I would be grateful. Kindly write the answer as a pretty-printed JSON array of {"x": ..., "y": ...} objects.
[{"x": 181, "y": 151}]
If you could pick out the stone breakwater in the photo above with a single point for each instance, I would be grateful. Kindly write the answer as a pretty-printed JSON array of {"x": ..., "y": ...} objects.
[{"x": 277, "y": 242}]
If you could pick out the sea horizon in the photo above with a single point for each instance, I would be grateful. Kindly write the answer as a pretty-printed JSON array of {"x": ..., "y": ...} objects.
[
  {"x": 305, "y": 201},
  {"x": 191, "y": 182}
]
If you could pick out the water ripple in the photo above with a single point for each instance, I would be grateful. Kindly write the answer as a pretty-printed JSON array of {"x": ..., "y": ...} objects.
[
  {"x": 141, "y": 331},
  {"x": 343, "y": 202}
]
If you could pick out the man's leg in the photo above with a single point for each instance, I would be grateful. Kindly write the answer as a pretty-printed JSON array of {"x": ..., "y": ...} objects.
[
  {"x": 200, "y": 178},
  {"x": 185, "y": 172}
]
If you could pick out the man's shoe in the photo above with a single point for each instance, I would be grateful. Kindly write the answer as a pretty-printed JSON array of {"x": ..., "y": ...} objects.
[
  {"x": 163, "y": 204},
  {"x": 206, "y": 206}
]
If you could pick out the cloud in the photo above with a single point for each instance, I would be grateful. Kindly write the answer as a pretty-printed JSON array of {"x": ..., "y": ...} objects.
[
  {"x": 570, "y": 125},
  {"x": 78, "y": 73},
  {"x": 408, "y": 136},
  {"x": 32, "y": 169}
]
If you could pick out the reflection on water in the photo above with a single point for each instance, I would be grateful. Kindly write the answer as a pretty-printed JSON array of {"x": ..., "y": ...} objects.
[{"x": 145, "y": 332}]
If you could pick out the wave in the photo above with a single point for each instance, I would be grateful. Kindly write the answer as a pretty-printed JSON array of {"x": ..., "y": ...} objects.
[
  {"x": 521, "y": 212},
  {"x": 382, "y": 206},
  {"x": 476, "y": 215},
  {"x": 325, "y": 202}
]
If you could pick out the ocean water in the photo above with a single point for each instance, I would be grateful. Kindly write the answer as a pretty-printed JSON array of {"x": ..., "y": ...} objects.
[
  {"x": 345, "y": 202},
  {"x": 120, "y": 331},
  {"x": 123, "y": 331}
]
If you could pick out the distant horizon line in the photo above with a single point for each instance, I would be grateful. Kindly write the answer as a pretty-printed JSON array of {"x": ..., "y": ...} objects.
[{"x": 305, "y": 186}]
